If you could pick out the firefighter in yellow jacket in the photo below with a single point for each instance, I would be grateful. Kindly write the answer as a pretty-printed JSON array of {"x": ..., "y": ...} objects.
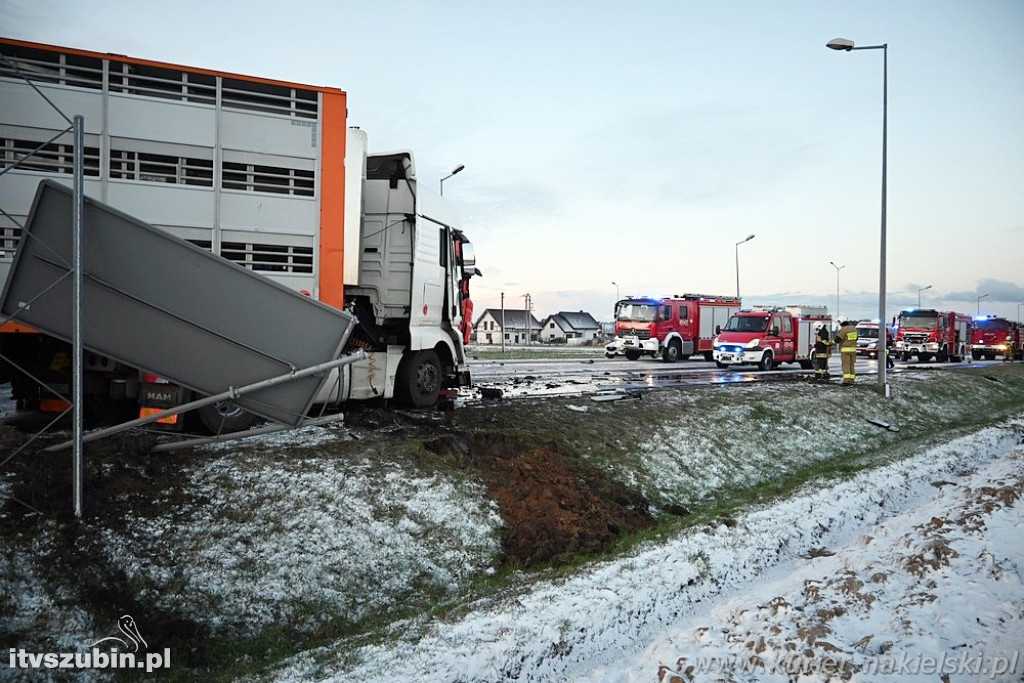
[{"x": 846, "y": 339}]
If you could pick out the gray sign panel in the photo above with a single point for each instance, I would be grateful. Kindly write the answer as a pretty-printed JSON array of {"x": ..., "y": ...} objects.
[{"x": 158, "y": 303}]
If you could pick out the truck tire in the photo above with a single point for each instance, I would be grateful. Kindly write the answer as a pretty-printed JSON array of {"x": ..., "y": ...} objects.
[
  {"x": 709, "y": 356},
  {"x": 721, "y": 365},
  {"x": 224, "y": 417},
  {"x": 767, "y": 361},
  {"x": 943, "y": 355},
  {"x": 806, "y": 364},
  {"x": 976, "y": 355},
  {"x": 671, "y": 352},
  {"x": 632, "y": 355},
  {"x": 418, "y": 382}
]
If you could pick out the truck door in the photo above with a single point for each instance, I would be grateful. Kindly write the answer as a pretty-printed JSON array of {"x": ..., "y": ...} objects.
[{"x": 786, "y": 337}]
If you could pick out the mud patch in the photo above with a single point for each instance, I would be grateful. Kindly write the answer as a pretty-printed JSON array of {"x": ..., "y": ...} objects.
[{"x": 554, "y": 509}]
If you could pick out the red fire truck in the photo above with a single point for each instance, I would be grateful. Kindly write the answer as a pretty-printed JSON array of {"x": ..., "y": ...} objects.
[
  {"x": 990, "y": 338},
  {"x": 769, "y": 335},
  {"x": 927, "y": 333},
  {"x": 674, "y": 328}
]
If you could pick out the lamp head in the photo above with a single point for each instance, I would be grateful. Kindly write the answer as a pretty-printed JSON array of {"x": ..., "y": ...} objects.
[
  {"x": 840, "y": 44},
  {"x": 458, "y": 168}
]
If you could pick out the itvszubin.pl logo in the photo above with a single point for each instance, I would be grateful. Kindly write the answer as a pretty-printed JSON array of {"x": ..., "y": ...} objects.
[{"x": 125, "y": 651}]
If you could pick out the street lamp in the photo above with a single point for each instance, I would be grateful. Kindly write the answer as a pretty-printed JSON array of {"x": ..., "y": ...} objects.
[
  {"x": 748, "y": 238},
  {"x": 616, "y": 290},
  {"x": 979, "y": 302},
  {"x": 919, "y": 295},
  {"x": 846, "y": 46},
  {"x": 838, "y": 268},
  {"x": 457, "y": 169}
]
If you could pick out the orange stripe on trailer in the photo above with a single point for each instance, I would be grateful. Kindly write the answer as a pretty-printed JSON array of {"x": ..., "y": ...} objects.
[
  {"x": 10, "y": 327},
  {"x": 54, "y": 405},
  {"x": 332, "y": 199},
  {"x": 162, "y": 65}
]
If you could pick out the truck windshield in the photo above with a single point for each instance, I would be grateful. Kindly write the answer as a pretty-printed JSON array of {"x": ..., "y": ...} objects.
[
  {"x": 637, "y": 313},
  {"x": 918, "y": 321},
  {"x": 868, "y": 332},
  {"x": 746, "y": 323},
  {"x": 993, "y": 325}
]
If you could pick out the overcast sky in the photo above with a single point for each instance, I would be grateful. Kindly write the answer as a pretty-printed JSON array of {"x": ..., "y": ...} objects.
[{"x": 638, "y": 142}]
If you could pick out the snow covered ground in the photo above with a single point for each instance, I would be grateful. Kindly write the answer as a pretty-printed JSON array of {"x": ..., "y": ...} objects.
[
  {"x": 914, "y": 571},
  {"x": 907, "y": 571}
]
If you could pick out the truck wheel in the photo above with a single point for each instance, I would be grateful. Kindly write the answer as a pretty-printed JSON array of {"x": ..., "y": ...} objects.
[
  {"x": 632, "y": 355},
  {"x": 721, "y": 365},
  {"x": 806, "y": 364},
  {"x": 671, "y": 353},
  {"x": 943, "y": 355},
  {"x": 767, "y": 361},
  {"x": 224, "y": 417},
  {"x": 709, "y": 356},
  {"x": 418, "y": 382},
  {"x": 976, "y": 355}
]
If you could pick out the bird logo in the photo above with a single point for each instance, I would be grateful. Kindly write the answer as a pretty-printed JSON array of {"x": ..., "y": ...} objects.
[{"x": 131, "y": 641}]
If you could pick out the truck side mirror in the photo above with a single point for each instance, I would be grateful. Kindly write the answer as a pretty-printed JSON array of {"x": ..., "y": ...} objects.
[
  {"x": 775, "y": 332},
  {"x": 718, "y": 329}
]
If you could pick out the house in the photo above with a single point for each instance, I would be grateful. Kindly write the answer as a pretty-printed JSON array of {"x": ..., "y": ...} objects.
[
  {"x": 570, "y": 328},
  {"x": 512, "y": 323}
]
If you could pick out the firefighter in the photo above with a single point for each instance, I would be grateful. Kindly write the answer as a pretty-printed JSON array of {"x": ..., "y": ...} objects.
[
  {"x": 846, "y": 339},
  {"x": 889, "y": 363},
  {"x": 822, "y": 351},
  {"x": 1008, "y": 354}
]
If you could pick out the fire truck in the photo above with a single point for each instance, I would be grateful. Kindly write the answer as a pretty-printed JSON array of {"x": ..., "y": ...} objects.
[
  {"x": 927, "y": 333},
  {"x": 674, "y": 328},
  {"x": 264, "y": 173},
  {"x": 990, "y": 338},
  {"x": 768, "y": 335}
]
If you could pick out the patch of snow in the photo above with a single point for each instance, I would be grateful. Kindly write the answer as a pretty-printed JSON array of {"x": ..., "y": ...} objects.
[
  {"x": 782, "y": 576},
  {"x": 246, "y": 558}
]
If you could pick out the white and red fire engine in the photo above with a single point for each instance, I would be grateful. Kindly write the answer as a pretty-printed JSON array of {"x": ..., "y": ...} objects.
[
  {"x": 927, "y": 333},
  {"x": 769, "y": 335},
  {"x": 994, "y": 336},
  {"x": 674, "y": 328}
]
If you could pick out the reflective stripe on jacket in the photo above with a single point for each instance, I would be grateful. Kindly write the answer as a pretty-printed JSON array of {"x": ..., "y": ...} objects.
[{"x": 848, "y": 339}]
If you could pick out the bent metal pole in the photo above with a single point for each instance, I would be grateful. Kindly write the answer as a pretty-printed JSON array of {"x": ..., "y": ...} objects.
[{"x": 230, "y": 394}]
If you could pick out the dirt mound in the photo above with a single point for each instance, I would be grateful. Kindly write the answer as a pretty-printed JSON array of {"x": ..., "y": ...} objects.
[{"x": 554, "y": 510}]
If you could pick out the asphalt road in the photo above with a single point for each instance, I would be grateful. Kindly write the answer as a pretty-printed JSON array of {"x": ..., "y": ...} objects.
[{"x": 577, "y": 376}]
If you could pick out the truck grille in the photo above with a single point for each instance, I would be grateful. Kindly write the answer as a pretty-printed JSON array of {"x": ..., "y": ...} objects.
[{"x": 915, "y": 338}]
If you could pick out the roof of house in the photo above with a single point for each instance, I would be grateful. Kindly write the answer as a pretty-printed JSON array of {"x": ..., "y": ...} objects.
[
  {"x": 575, "y": 320},
  {"x": 514, "y": 319}
]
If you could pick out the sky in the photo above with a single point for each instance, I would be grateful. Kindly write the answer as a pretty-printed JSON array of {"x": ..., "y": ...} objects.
[{"x": 620, "y": 148}]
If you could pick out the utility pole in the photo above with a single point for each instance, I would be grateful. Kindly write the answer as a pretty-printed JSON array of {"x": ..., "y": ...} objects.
[
  {"x": 526, "y": 299},
  {"x": 503, "y": 322}
]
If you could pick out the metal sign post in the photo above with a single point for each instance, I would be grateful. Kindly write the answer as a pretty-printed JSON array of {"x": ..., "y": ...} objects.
[{"x": 76, "y": 354}]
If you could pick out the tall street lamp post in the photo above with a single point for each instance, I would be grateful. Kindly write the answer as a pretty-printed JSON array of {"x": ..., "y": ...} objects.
[
  {"x": 616, "y": 291},
  {"x": 979, "y": 302},
  {"x": 846, "y": 46},
  {"x": 838, "y": 268},
  {"x": 457, "y": 169},
  {"x": 748, "y": 238},
  {"x": 919, "y": 295}
]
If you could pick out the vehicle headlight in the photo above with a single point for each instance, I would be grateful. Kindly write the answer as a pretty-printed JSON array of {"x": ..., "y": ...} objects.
[{"x": 753, "y": 342}]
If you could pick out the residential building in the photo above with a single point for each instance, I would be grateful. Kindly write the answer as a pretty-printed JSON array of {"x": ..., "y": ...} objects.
[
  {"x": 512, "y": 323},
  {"x": 570, "y": 327}
]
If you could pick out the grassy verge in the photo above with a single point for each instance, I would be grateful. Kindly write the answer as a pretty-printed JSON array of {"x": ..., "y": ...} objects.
[{"x": 164, "y": 531}]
